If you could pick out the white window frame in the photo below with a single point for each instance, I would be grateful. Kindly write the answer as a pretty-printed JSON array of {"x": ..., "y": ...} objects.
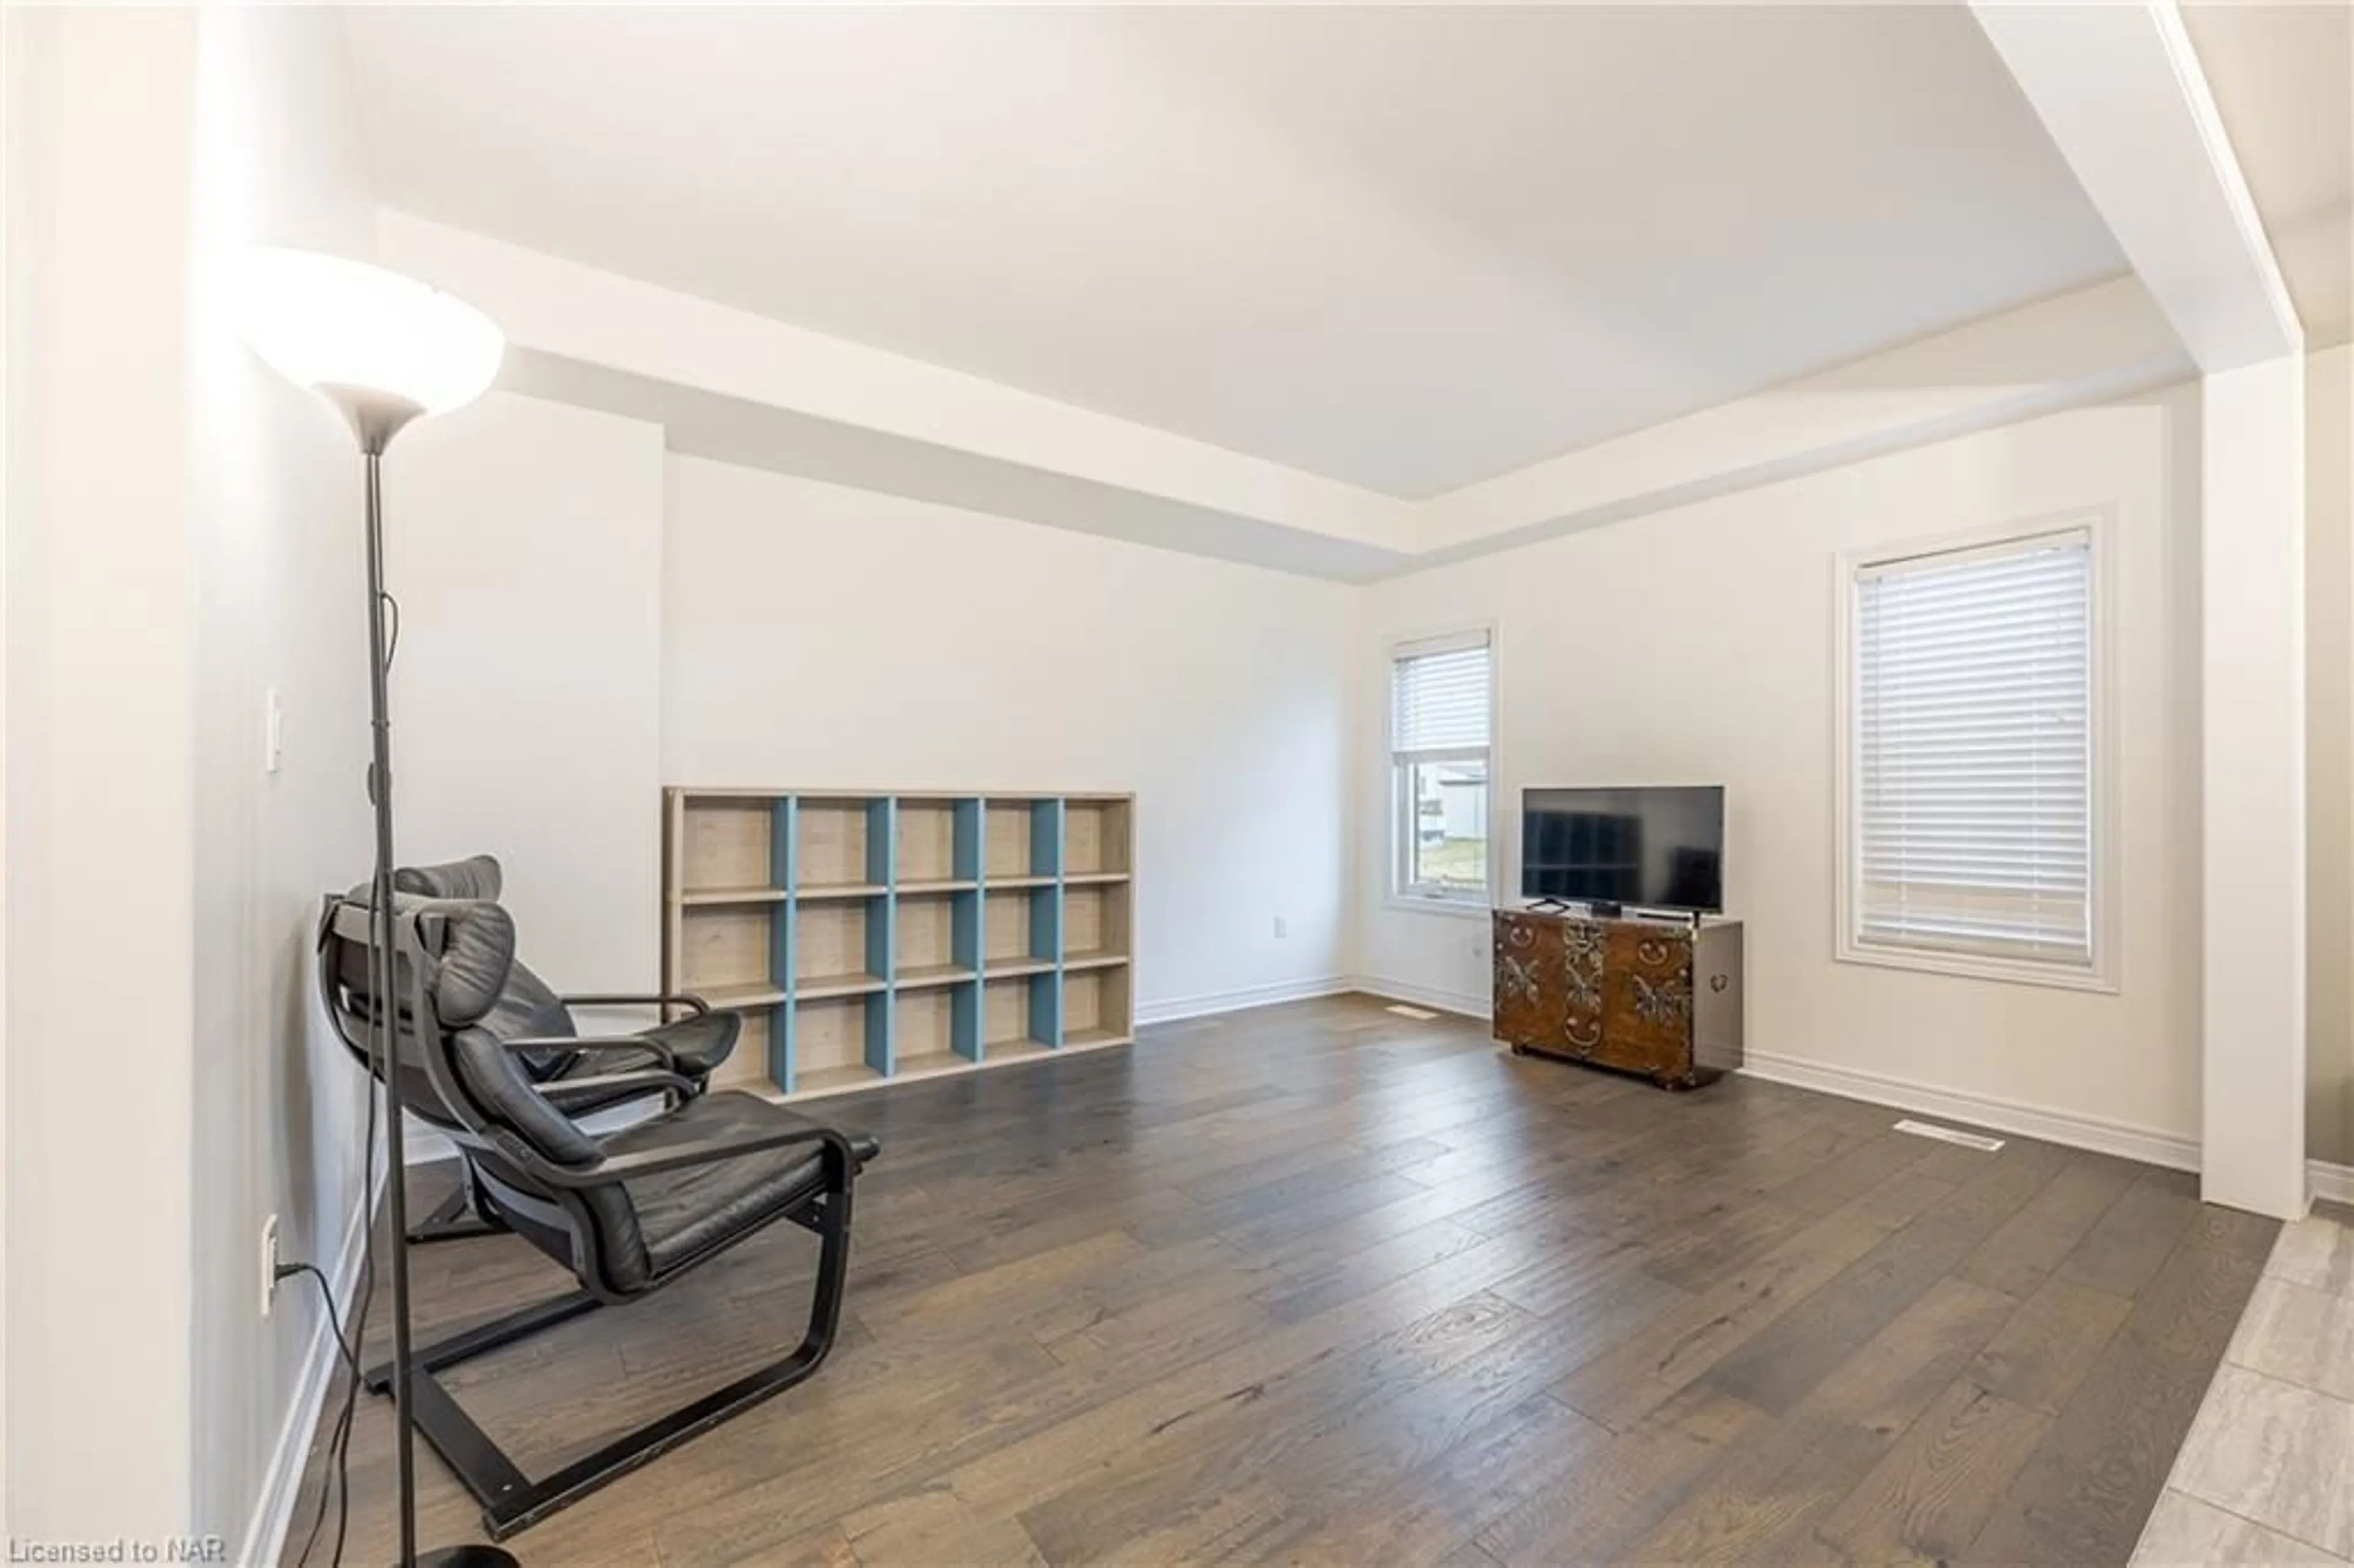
[
  {"x": 2107, "y": 894},
  {"x": 1421, "y": 898}
]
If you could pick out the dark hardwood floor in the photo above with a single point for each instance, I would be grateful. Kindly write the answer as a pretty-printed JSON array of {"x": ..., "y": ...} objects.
[{"x": 1318, "y": 1283}]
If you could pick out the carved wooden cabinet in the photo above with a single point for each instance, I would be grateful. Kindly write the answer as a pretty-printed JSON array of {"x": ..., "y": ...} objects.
[{"x": 1642, "y": 996}]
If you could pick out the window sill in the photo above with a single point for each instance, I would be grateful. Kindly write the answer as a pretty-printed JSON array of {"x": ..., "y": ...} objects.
[
  {"x": 1972, "y": 966},
  {"x": 1453, "y": 908}
]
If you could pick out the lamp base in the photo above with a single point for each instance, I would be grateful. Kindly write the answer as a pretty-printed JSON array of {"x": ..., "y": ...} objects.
[{"x": 468, "y": 1556}]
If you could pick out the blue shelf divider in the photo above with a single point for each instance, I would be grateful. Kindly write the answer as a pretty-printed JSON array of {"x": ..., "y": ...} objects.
[
  {"x": 784, "y": 836},
  {"x": 882, "y": 924},
  {"x": 1046, "y": 923},
  {"x": 966, "y": 942}
]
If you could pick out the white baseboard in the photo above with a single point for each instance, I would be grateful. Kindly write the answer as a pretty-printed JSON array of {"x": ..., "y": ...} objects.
[
  {"x": 273, "y": 1510},
  {"x": 1456, "y": 1001},
  {"x": 2102, "y": 1137},
  {"x": 2324, "y": 1179},
  {"x": 1203, "y": 1006}
]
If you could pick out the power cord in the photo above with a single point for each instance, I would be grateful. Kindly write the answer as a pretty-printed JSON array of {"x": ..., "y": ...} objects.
[
  {"x": 339, "y": 1446},
  {"x": 349, "y": 1351}
]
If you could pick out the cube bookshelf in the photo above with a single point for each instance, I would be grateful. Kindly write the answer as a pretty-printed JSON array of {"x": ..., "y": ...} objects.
[{"x": 868, "y": 939}]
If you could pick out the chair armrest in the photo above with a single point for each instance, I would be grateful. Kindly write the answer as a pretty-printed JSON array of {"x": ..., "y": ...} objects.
[
  {"x": 705, "y": 1151},
  {"x": 651, "y": 1080},
  {"x": 654, "y": 1048},
  {"x": 685, "y": 999}
]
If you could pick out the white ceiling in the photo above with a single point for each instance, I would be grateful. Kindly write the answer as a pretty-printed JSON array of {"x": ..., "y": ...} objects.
[
  {"x": 2282, "y": 78},
  {"x": 1410, "y": 249}
]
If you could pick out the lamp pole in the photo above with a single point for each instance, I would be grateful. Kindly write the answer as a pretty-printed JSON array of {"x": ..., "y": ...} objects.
[
  {"x": 377, "y": 421},
  {"x": 384, "y": 350},
  {"x": 382, "y": 980}
]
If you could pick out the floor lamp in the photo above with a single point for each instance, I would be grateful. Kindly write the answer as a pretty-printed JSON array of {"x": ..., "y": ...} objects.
[{"x": 382, "y": 349}]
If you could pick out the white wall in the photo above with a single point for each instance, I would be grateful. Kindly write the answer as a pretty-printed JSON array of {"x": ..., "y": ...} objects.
[
  {"x": 1698, "y": 645},
  {"x": 523, "y": 542},
  {"x": 586, "y": 618},
  {"x": 273, "y": 522},
  {"x": 818, "y": 636},
  {"x": 2330, "y": 754},
  {"x": 166, "y": 563},
  {"x": 99, "y": 580}
]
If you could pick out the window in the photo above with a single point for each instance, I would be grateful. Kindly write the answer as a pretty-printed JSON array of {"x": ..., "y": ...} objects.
[
  {"x": 1440, "y": 693},
  {"x": 1971, "y": 835}
]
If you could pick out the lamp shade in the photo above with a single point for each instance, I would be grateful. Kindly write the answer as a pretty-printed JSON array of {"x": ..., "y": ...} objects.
[{"x": 367, "y": 339}]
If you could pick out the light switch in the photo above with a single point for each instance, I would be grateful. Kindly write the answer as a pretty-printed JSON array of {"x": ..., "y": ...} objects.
[{"x": 273, "y": 733}]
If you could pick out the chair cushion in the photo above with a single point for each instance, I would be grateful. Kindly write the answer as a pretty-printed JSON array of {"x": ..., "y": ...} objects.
[
  {"x": 467, "y": 974},
  {"x": 529, "y": 1008},
  {"x": 699, "y": 1046},
  {"x": 470, "y": 973},
  {"x": 702, "y": 1044},
  {"x": 477, "y": 876},
  {"x": 504, "y": 1095},
  {"x": 683, "y": 1214}
]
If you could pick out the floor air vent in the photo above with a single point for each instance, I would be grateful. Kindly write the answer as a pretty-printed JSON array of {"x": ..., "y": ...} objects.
[
  {"x": 1950, "y": 1135},
  {"x": 1419, "y": 1014}
]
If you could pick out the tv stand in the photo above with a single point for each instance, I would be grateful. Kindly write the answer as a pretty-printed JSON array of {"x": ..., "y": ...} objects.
[
  {"x": 1638, "y": 996},
  {"x": 1604, "y": 909}
]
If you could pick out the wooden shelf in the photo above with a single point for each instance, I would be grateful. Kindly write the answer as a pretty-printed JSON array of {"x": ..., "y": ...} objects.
[
  {"x": 840, "y": 843},
  {"x": 1021, "y": 837},
  {"x": 835, "y": 1080},
  {"x": 717, "y": 898},
  {"x": 1020, "y": 1048},
  {"x": 734, "y": 998},
  {"x": 871, "y": 936},
  {"x": 819, "y": 987},
  {"x": 928, "y": 1064},
  {"x": 923, "y": 975},
  {"x": 1095, "y": 836},
  {"x": 927, "y": 842},
  {"x": 1095, "y": 924},
  {"x": 814, "y": 891},
  {"x": 1095, "y": 1006}
]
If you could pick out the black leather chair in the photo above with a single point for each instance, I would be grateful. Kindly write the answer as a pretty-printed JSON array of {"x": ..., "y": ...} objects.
[
  {"x": 628, "y": 1213},
  {"x": 693, "y": 1046}
]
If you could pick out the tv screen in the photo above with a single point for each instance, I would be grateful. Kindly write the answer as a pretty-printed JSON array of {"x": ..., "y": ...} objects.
[{"x": 1659, "y": 847}]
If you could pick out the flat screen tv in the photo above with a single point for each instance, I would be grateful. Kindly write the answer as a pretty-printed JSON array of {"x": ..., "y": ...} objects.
[{"x": 1657, "y": 847}]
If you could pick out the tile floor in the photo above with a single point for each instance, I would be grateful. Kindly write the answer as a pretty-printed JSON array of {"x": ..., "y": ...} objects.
[{"x": 2268, "y": 1472}]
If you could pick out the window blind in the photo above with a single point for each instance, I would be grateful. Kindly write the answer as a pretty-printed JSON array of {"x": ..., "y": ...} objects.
[
  {"x": 1974, "y": 746},
  {"x": 1438, "y": 698}
]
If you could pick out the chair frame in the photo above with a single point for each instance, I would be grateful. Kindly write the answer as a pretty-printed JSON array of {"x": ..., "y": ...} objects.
[{"x": 511, "y": 1500}]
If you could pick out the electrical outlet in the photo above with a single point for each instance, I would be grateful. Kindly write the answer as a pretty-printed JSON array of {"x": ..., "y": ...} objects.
[
  {"x": 1282, "y": 927},
  {"x": 268, "y": 1264}
]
